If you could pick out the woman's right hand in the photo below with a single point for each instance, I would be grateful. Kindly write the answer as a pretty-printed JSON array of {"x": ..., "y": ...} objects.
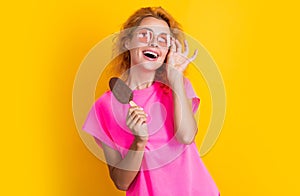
[{"x": 136, "y": 122}]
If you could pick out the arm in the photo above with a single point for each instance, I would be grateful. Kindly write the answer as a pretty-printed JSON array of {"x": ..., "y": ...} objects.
[
  {"x": 123, "y": 171},
  {"x": 184, "y": 121}
]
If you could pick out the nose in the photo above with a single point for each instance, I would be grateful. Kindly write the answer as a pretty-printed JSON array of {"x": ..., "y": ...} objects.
[{"x": 153, "y": 42}]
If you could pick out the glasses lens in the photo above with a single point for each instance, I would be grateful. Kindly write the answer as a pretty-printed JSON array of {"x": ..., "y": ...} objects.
[
  {"x": 144, "y": 35},
  {"x": 163, "y": 40}
]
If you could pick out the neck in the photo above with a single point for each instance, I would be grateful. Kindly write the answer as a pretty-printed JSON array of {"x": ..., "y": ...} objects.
[{"x": 138, "y": 79}]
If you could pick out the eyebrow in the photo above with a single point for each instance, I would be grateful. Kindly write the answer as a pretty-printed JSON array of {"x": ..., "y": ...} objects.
[{"x": 140, "y": 28}]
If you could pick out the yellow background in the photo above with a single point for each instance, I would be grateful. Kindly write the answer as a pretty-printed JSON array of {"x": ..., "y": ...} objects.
[{"x": 254, "y": 43}]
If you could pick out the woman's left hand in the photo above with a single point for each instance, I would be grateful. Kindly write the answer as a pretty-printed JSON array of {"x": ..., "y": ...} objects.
[{"x": 177, "y": 61}]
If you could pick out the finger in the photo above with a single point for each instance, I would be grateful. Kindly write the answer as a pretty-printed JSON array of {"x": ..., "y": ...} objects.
[
  {"x": 132, "y": 112},
  {"x": 172, "y": 49},
  {"x": 189, "y": 60},
  {"x": 130, "y": 120},
  {"x": 131, "y": 123},
  {"x": 194, "y": 56},
  {"x": 173, "y": 46},
  {"x": 129, "y": 114},
  {"x": 186, "y": 48},
  {"x": 134, "y": 120},
  {"x": 184, "y": 65},
  {"x": 138, "y": 113},
  {"x": 178, "y": 46},
  {"x": 139, "y": 116},
  {"x": 141, "y": 121},
  {"x": 134, "y": 109},
  {"x": 137, "y": 121}
]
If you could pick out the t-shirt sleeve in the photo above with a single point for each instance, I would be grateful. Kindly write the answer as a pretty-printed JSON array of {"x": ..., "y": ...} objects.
[
  {"x": 191, "y": 95},
  {"x": 95, "y": 125}
]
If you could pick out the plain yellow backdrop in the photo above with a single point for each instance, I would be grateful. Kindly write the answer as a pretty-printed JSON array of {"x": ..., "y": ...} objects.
[{"x": 254, "y": 43}]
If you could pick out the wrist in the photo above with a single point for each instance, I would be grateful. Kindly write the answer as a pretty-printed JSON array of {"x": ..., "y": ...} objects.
[
  {"x": 140, "y": 143},
  {"x": 177, "y": 83}
]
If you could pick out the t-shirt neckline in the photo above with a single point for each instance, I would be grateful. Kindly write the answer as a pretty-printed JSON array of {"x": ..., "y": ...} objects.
[{"x": 145, "y": 90}]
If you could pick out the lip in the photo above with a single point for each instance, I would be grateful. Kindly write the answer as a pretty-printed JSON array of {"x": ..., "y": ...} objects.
[{"x": 151, "y": 50}]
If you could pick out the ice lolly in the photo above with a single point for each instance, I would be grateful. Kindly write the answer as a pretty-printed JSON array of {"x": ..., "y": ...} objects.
[{"x": 121, "y": 91}]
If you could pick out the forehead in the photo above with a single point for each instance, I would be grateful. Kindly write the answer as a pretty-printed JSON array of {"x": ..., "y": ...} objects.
[{"x": 157, "y": 25}]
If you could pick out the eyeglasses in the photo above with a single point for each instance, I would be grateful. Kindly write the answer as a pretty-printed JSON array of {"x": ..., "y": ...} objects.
[{"x": 146, "y": 36}]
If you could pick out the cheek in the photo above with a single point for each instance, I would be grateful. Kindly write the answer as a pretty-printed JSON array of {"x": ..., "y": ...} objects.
[
  {"x": 133, "y": 53},
  {"x": 164, "y": 54},
  {"x": 134, "y": 44}
]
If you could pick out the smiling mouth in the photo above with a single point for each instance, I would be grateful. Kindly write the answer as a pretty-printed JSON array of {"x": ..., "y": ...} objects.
[{"x": 150, "y": 54}]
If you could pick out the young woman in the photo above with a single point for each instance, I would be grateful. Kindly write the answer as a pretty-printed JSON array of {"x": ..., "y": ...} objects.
[{"x": 149, "y": 147}]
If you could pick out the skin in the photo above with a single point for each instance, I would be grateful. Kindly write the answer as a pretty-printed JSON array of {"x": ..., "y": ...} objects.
[{"x": 141, "y": 76}]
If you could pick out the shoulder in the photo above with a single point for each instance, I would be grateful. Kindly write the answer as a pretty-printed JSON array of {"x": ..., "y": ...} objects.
[
  {"x": 188, "y": 85},
  {"x": 104, "y": 99},
  {"x": 186, "y": 82}
]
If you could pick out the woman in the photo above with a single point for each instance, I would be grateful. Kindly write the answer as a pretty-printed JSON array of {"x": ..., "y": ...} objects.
[{"x": 149, "y": 147}]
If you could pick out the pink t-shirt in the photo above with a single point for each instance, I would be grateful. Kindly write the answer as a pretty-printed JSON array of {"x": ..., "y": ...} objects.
[{"x": 168, "y": 167}]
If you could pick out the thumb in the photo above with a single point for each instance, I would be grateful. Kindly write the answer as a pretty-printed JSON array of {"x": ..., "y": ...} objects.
[
  {"x": 170, "y": 53},
  {"x": 169, "y": 59}
]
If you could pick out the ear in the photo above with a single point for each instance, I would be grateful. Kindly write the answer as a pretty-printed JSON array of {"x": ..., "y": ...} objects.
[{"x": 126, "y": 44}]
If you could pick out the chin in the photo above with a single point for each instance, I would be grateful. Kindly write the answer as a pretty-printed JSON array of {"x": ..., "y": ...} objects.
[{"x": 151, "y": 66}]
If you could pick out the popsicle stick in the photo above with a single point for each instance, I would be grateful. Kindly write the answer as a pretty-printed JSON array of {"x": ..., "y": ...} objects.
[{"x": 132, "y": 104}]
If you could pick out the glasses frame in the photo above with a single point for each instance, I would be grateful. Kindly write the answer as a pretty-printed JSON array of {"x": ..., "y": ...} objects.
[{"x": 155, "y": 36}]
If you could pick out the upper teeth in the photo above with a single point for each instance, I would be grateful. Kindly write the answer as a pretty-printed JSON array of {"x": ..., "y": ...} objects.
[{"x": 152, "y": 53}]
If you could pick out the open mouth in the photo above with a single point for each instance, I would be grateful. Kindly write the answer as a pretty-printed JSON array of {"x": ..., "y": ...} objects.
[{"x": 150, "y": 54}]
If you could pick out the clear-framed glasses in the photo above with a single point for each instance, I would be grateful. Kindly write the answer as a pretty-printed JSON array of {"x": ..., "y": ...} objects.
[{"x": 145, "y": 35}]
